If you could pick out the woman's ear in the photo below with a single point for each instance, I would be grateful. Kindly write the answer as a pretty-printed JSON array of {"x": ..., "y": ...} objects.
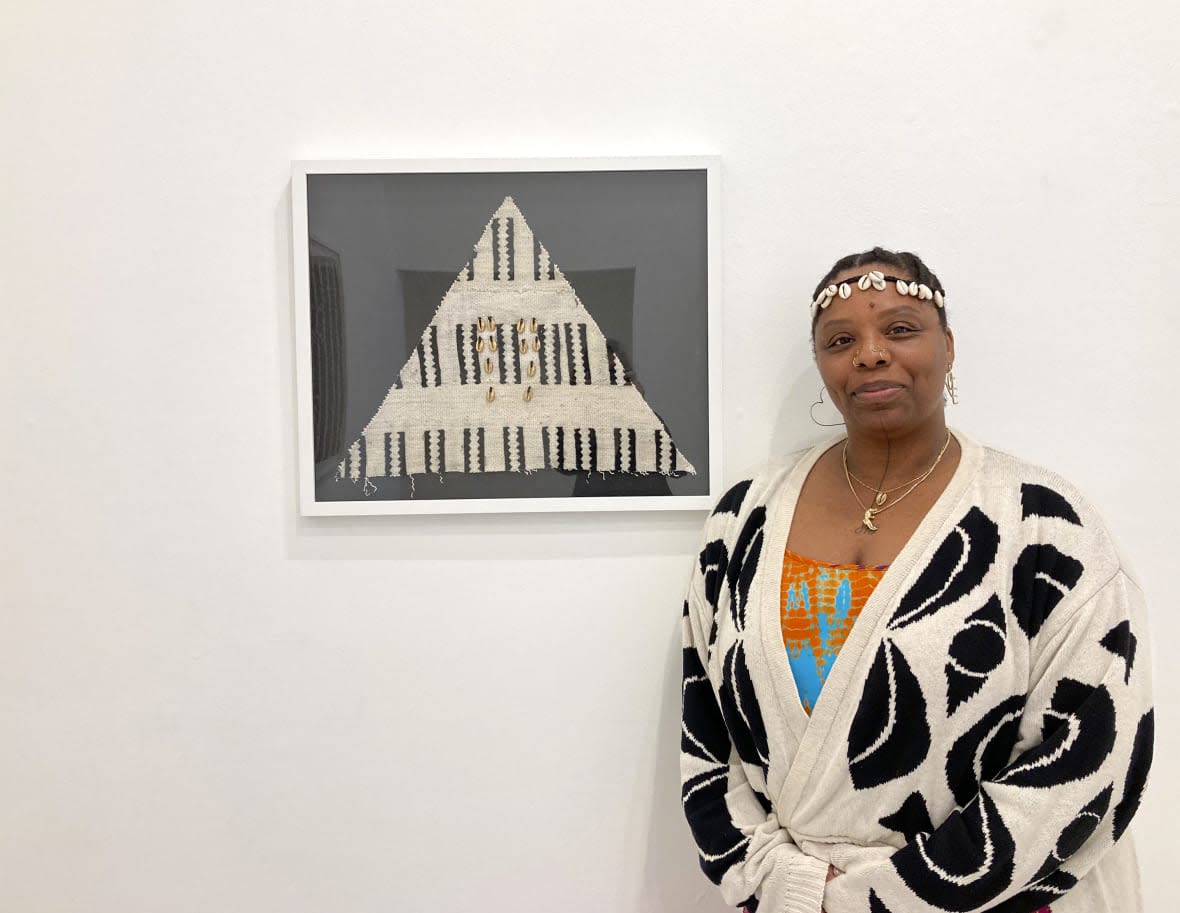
[{"x": 950, "y": 348}]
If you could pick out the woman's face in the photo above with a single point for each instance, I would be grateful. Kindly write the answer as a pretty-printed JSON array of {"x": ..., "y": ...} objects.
[{"x": 883, "y": 356}]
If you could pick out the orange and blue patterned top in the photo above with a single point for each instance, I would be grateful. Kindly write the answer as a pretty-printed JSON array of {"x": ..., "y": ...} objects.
[{"x": 819, "y": 603}]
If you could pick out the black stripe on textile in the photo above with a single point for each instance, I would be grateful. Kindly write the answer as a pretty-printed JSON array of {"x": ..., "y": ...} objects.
[
  {"x": 483, "y": 457},
  {"x": 434, "y": 355},
  {"x": 545, "y": 446},
  {"x": 555, "y": 339},
  {"x": 672, "y": 457},
  {"x": 593, "y": 449},
  {"x": 569, "y": 353},
  {"x": 507, "y": 449},
  {"x": 426, "y": 450},
  {"x": 511, "y": 250},
  {"x": 618, "y": 450},
  {"x": 536, "y": 258},
  {"x": 585, "y": 353},
  {"x": 467, "y": 450},
  {"x": 499, "y": 331},
  {"x": 520, "y": 448},
  {"x": 578, "y": 449},
  {"x": 561, "y": 461},
  {"x": 659, "y": 450},
  {"x": 388, "y": 444},
  {"x": 474, "y": 353},
  {"x": 364, "y": 457},
  {"x": 459, "y": 352},
  {"x": 442, "y": 450},
  {"x": 610, "y": 364},
  {"x": 631, "y": 450},
  {"x": 515, "y": 353},
  {"x": 401, "y": 454},
  {"x": 471, "y": 268},
  {"x": 495, "y": 248},
  {"x": 542, "y": 358},
  {"x": 421, "y": 351}
]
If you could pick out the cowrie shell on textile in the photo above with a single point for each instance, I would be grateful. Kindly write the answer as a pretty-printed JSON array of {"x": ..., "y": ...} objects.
[
  {"x": 520, "y": 325},
  {"x": 491, "y": 395}
]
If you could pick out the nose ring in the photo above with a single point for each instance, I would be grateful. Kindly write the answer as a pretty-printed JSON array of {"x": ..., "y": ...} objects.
[{"x": 875, "y": 350}]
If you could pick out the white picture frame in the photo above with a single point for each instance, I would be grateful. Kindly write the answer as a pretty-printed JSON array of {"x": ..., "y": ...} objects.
[{"x": 386, "y": 238}]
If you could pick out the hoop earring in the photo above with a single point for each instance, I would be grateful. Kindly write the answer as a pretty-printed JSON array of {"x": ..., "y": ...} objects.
[
  {"x": 821, "y": 402},
  {"x": 951, "y": 389}
]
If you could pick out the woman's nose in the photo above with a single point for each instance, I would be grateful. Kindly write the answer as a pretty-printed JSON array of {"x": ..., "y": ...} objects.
[{"x": 875, "y": 352}]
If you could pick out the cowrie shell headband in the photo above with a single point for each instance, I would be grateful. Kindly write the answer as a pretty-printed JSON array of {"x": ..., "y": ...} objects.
[{"x": 878, "y": 280}]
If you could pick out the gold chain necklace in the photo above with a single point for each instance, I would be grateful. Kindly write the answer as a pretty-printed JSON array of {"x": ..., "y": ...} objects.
[
  {"x": 879, "y": 492},
  {"x": 879, "y": 505}
]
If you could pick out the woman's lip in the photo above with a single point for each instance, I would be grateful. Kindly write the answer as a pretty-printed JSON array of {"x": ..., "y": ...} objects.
[{"x": 876, "y": 392}]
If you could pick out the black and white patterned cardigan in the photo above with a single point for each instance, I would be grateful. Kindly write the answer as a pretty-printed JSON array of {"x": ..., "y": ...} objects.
[{"x": 983, "y": 738}]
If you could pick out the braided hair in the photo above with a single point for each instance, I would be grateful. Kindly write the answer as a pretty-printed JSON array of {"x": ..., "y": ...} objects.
[{"x": 910, "y": 264}]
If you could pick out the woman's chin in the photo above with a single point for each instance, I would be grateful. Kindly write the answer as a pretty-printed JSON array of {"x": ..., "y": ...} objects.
[{"x": 891, "y": 420}]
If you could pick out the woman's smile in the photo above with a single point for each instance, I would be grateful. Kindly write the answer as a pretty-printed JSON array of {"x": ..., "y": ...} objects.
[{"x": 878, "y": 391}]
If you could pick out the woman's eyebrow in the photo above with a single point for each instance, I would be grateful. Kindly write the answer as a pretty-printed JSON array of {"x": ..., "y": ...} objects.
[{"x": 889, "y": 311}]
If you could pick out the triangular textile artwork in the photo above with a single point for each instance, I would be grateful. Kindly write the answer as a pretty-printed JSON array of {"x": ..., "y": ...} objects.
[{"x": 512, "y": 374}]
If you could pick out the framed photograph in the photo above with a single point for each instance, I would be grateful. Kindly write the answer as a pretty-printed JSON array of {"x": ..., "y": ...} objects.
[{"x": 496, "y": 336}]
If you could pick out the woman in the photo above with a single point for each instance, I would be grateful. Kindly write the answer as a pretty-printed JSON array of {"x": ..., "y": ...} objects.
[{"x": 916, "y": 676}]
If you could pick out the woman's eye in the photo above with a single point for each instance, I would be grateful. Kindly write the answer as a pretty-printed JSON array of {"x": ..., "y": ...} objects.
[
  {"x": 900, "y": 329},
  {"x": 841, "y": 340}
]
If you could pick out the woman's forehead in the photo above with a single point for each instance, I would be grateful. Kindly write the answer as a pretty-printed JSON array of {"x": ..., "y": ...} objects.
[{"x": 885, "y": 304}]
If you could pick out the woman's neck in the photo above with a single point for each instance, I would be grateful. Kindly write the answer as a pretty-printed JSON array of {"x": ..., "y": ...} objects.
[{"x": 885, "y": 460}]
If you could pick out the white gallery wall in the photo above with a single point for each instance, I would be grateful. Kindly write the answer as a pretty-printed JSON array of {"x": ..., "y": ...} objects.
[{"x": 208, "y": 703}]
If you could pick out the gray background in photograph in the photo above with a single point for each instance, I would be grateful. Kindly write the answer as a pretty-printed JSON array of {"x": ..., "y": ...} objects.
[{"x": 634, "y": 244}]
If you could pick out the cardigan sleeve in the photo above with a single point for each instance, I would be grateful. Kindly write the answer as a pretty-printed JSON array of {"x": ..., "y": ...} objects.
[
  {"x": 742, "y": 847},
  {"x": 1033, "y": 823}
]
